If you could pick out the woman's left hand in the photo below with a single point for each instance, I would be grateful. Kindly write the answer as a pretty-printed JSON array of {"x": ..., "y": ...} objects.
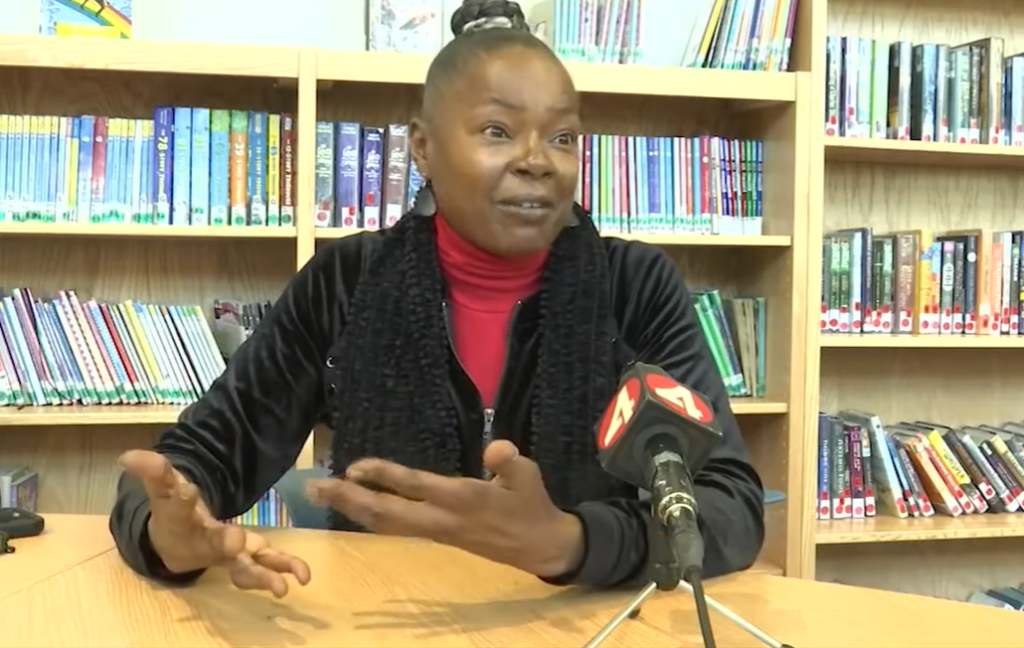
[{"x": 509, "y": 519}]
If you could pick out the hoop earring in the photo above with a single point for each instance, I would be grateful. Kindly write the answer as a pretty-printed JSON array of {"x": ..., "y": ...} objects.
[{"x": 424, "y": 204}]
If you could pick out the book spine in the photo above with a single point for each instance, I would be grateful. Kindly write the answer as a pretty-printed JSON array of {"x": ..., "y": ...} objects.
[
  {"x": 273, "y": 170},
  {"x": 373, "y": 153},
  {"x": 181, "y": 189},
  {"x": 287, "y": 170},
  {"x": 396, "y": 162},
  {"x": 324, "y": 174},
  {"x": 349, "y": 152},
  {"x": 220, "y": 167},
  {"x": 200, "y": 196},
  {"x": 257, "y": 163}
]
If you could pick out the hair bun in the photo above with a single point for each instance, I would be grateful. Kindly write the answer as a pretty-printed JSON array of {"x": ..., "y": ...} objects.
[{"x": 477, "y": 15}]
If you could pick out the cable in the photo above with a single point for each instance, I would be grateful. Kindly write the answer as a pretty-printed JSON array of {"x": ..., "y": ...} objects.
[{"x": 692, "y": 576}]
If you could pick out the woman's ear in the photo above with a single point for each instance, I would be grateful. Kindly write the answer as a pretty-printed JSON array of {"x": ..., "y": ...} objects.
[{"x": 418, "y": 146}]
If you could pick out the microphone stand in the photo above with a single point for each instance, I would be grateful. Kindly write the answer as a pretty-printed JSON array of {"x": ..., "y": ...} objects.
[{"x": 666, "y": 578}]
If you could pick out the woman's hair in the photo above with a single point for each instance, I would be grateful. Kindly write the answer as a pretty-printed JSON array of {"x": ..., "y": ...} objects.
[
  {"x": 480, "y": 27},
  {"x": 392, "y": 390}
]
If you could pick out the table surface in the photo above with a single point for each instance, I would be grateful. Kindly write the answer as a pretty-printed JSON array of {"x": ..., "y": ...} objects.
[{"x": 72, "y": 589}]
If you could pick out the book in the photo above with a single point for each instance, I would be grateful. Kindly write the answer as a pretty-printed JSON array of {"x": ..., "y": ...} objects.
[
  {"x": 966, "y": 93},
  {"x": 914, "y": 468},
  {"x": 70, "y": 350},
  {"x": 185, "y": 166},
  {"x": 366, "y": 178},
  {"x": 919, "y": 282}
]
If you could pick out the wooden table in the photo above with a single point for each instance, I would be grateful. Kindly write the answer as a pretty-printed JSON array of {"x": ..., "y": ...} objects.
[
  {"x": 375, "y": 591},
  {"x": 66, "y": 541}
]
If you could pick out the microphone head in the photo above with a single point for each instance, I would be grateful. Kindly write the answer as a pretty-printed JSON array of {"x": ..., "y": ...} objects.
[{"x": 651, "y": 404}]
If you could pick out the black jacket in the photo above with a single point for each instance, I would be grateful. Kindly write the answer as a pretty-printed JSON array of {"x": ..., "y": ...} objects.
[{"x": 248, "y": 430}]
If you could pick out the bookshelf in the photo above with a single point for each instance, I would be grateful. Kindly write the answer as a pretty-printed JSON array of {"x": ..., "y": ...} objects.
[
  {"x": 74, "y": 448},
  {"x": 955, "y": 380}
]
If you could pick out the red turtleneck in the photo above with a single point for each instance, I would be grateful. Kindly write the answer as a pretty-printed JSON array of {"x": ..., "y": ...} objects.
[{"x": 484, "y": 290}]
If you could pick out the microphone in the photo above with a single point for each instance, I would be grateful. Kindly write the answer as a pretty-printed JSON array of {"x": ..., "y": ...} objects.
[{"x": 655, "y": 434}]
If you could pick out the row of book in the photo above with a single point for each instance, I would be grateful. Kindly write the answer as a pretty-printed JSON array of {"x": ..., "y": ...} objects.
[
  {"x": 733, "y": 34},
  {"x": 971, "y": 93},
  {"x": 724, "y": 34},
  {"x": 734, "y": 328},
  {"x": 966, "y": 282},
  {"x": 916, "y": 468},
  {"x": 67, "y": 350},
  {"x": 269, "y": 510},
  {"x": 672, "y": 185},
  {"x": 185, "y": 166},
  {"x": 366, "y": 178},
  {"x": 19, "y": 487}
]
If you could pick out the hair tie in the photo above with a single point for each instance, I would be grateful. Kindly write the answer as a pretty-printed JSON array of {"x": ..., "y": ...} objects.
[{"x": 488, "y": 22}]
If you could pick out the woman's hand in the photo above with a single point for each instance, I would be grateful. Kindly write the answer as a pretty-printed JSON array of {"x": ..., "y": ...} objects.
[
  {"x": 509, "y": 519},
  {"x": 187, "y": 537}
]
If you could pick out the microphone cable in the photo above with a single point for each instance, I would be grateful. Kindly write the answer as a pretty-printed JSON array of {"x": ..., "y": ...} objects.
[{"x": 693, "y": 577}]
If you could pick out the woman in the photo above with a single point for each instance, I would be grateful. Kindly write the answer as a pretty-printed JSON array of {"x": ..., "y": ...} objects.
[{"x": 474, "y": 346}]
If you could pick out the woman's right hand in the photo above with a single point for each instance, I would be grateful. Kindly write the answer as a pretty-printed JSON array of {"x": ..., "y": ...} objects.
[{"x": 187, "y": 537}]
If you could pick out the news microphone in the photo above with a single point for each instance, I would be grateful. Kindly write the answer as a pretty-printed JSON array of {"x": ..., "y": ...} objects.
[{"x": 655, "y": 434}]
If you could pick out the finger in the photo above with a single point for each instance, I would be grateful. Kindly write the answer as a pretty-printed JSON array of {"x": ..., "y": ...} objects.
[
  {"x": 283, "y": 563},
  {"x": 246, "y": 574},
  {"x": 510, "y": 469},
  {"x": 153, "y": 469},
  {"x": 225, "y": 541},
  {"x": 410, "y": 483},
  {"x": 384, "y": 513}
]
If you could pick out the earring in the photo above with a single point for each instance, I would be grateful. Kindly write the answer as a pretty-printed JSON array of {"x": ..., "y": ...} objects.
[{"x": 424, "y": 204}]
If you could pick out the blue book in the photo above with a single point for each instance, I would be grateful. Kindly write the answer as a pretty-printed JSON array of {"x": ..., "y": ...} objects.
[
  {"x": 182, "y": 186},
  {"x": 220, "y": 142},
  {"x": 163, "y": 164},
  {"x": 200, "y": 214}
]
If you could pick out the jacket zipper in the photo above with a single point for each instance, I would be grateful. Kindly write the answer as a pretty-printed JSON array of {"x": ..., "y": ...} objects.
[{"x": 488, "y": 412}]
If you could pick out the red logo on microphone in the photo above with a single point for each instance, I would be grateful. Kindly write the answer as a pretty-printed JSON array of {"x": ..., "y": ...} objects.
[
  {"x": 618, "y": 414},
  {"x": 679, "y": 398}
]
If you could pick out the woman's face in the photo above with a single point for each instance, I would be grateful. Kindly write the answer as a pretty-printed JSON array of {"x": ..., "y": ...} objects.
[{"x": 500, "y": 149}]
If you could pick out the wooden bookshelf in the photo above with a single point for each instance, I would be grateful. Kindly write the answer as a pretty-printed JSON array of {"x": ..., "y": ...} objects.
[
  {"x": 893, "y": 186},
  {"x": 75, "y": 448},
  {"x": 870, "y": 151},
  {"x": 168, "y": 414},
  {"x": 938, "y": 527},
  {"x": 839, "y": 341},
  {"x": 328, "y": 233},
  {"x": 104, "y": 54},
  {"x": 599, "y": 78},
  {"x": 127, "y": 230}
]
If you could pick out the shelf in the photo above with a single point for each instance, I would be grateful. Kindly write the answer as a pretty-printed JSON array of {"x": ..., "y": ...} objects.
[
  {"x": 937, "y": 527},
  {"x": 119, "y": 230},
  {"x": 843, "y": 149},
  {"x": 741, "y": 406},
  {"x": 87, "y": 53},
  {"x": 54, "y": 415},
  {"x": 642, "y": 80},
  {"x": 90, "y": 415},
  {"x": 840, "y": 341},
  {"x": 327, "y": 233}
]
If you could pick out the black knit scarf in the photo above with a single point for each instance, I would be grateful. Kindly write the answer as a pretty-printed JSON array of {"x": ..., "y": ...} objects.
[{"x": 393, "y": 397}]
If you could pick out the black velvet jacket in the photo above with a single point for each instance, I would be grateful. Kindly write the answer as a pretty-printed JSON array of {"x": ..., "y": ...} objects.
[{"x": 248, "y": 430}]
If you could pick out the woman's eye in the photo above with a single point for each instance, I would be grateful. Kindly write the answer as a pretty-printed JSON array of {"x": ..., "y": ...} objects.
[
  {"x": 566, "y": 139},
  {"x": 495, "y": 131}
]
